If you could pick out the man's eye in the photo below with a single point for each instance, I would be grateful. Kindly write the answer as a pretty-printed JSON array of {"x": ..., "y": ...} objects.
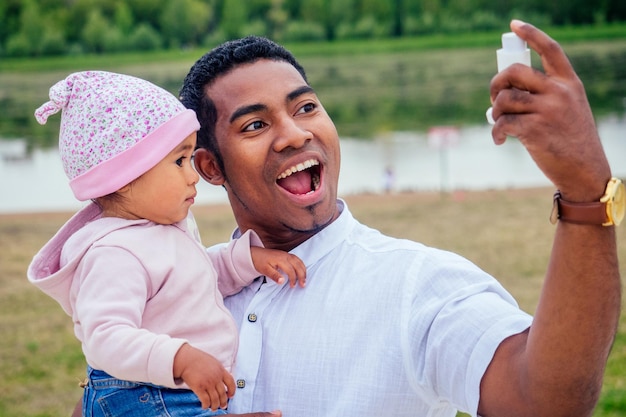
[
  {"x": 256, "y": 125},
  {"x": 307, "y": 108}
]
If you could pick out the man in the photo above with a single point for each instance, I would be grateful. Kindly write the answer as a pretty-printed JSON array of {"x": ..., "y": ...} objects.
[{"x": 390, "y": 327}]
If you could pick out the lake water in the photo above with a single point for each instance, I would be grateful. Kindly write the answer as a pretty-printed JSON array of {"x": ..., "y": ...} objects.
[{"x": 468, "y": 160}]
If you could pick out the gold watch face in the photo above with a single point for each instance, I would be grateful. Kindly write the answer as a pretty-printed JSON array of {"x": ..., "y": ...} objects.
[
  {"x": 615, "y": 200},
  {"x": 618, "y": 208}
]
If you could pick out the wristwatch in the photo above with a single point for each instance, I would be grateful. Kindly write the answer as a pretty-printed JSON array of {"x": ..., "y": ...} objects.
[{"x": 608, "y": 211}]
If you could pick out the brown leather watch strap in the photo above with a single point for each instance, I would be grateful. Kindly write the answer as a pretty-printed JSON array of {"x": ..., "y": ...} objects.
[{"x": 580, "y": 213}]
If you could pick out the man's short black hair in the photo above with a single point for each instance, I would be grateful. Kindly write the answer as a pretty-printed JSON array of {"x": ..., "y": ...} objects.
[{"x": 217, "y": 62}]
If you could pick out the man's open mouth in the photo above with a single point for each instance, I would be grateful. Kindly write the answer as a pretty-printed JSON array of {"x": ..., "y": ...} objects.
[{"x": 301, "y": 179}]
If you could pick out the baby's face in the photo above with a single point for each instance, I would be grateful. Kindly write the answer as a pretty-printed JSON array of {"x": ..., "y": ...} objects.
[{"x": 164, "y": 193}]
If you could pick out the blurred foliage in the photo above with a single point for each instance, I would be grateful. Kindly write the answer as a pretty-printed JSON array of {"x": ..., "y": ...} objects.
[
  {"x": 33, "y": 28},
  {"x": 369, "y": 87}
]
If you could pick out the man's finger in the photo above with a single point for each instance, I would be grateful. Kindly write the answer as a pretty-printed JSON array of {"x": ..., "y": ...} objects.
[{"x": 553, "y": 58}]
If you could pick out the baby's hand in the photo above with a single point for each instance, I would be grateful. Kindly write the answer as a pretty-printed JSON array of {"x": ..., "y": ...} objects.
[
  {"x": 275, "y": 264},
  {"x": 205, "y": 375}
]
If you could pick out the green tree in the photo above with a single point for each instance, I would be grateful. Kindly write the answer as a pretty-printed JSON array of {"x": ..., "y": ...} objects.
[
  {"x": 114, "y": 40},
  {"x": 31, "y": 24},
  {"x": 185, "y": 22},
  {"x": 234, "y": 16},
  {"x": 311, "y": 11},
  {"x": 399, "y": 13},
  {"x": 299, "y": 31},
  {"x": 145, "y": 38},
  {"x": 616, "y": 10},
  {"x": 123, "y": 18},
  {"x": 27, "y": 40},
  {"x": 147, "y": 11},
  {"x": 35, "y": 27},
  {"x": 460, "y": 8},
  {"x": 277, "y": 18},
  {"x": 4, "y": 17},
  {"x": 433, "y": 7},
  {"x": 258, "y": 9},
  {"x": 18, "y": 46},
  {"x": 381, "y": 10},
  {"x": 53, "y": 40},
  {"x": 78, "y": 14},
  {"x": 94, "y": 32},
  {"x": 335, "y": 12}
]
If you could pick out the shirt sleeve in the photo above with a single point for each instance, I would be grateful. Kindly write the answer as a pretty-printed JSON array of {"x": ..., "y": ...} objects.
[
  {"x": 452, "y": 337},
  {"x": 233, "y": 263}
]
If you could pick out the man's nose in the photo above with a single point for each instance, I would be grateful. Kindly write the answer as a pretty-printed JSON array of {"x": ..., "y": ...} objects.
[{"x": 290, "y": 134}]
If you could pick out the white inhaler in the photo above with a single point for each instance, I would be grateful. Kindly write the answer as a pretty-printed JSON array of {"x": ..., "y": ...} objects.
[{"x": 513, "y": 51}]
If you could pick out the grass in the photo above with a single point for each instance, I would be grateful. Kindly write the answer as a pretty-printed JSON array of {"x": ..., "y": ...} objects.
[{"x": 507, "y": 233}]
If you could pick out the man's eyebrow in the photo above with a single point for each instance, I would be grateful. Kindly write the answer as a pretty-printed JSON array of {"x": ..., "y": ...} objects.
[
  {"x": 299, "y": 91},
  {"x": 242, "y": 111},
  {"x": 252, "y": 108}
]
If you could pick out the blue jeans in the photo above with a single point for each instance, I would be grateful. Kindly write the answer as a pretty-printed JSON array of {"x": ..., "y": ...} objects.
[{"x": 106, "y": 396}]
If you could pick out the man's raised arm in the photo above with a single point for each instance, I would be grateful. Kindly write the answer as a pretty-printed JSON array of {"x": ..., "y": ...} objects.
[{"x": 556, "y": 367}]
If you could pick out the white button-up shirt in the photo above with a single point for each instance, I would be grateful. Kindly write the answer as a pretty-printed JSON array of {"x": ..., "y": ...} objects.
[{"x": 384, "y": 326}]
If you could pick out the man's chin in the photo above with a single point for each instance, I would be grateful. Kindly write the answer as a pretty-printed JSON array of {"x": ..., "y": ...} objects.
[{"x": 323, "y": 213}]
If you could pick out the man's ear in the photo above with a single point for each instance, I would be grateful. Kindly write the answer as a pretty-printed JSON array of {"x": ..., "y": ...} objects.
[{"x": 207, "y": 166}]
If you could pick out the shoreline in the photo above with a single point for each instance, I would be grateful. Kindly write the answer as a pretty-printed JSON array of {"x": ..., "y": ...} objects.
[{"x": 357, "y": 198}]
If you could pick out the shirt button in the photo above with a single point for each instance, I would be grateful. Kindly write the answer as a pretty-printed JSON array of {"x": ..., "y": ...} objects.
[
  {"x": 252, "y": 317},
  {"x": 241, "y": 383}
]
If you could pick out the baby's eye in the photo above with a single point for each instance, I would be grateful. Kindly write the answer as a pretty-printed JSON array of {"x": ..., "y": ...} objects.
[{"x": 179, "y": 161}]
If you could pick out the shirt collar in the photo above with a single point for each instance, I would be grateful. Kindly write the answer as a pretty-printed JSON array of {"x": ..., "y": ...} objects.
[{"x": 323, "y": 242}]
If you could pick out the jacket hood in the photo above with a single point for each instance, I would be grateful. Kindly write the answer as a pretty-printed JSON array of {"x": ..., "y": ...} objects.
[{"x": 52, "y": 268}]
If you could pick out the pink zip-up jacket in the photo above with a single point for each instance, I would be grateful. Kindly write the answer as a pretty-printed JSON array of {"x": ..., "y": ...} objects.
[{"x": 137, "y": 291}]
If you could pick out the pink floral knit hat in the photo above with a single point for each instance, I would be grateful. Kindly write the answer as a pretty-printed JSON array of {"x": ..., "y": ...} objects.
[{"x": 114, "y": 128}]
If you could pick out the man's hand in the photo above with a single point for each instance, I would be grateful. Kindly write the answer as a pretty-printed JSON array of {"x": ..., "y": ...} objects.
[
  {"x": 555, "y": 368},
  {"x": 550, "y": 115},
  {"x": 205, "y": 376},
  {"x": 275, "y": 264}
]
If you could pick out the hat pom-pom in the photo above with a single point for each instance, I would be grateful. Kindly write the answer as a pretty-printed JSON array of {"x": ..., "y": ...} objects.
[{"x": 59, "y": 98}]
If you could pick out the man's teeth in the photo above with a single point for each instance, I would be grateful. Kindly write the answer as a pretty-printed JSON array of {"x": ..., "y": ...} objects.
[
  {"x": 315, "y": 181},
  {"x": 297, "y": 168}
]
